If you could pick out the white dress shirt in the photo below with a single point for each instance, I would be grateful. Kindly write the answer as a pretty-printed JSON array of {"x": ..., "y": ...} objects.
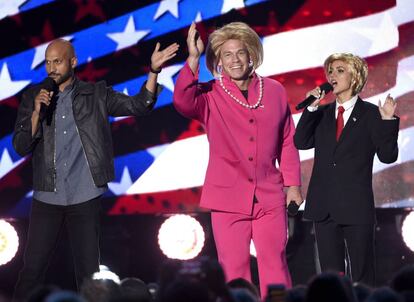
[{"x": 348, "y": 106}]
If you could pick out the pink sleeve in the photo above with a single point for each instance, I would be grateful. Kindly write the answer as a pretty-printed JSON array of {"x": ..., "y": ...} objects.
[
  {"x": 189, "y": 99},
  {"x": 289, "y": 157}
]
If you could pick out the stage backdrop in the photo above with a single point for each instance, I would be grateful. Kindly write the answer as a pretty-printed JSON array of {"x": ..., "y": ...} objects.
[{"x": 160, "y": 160}]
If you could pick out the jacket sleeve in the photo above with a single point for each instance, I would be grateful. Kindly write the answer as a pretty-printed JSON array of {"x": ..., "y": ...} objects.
[
  {"x": 305, "y": 130},
  {"x": 189, "y": 98},
  {"x": 23, "y": 141},
  {"x": 120, "y": 104},
  {"x": 385, "y": 138},
  {"x": 289, "y": 161}
]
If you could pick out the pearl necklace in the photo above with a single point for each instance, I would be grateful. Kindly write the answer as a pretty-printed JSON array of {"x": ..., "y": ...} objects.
[{"x": 259, "y": 101}]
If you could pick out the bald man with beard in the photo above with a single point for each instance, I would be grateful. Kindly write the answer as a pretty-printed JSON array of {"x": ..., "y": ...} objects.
[{"x": 72, "y": 155}]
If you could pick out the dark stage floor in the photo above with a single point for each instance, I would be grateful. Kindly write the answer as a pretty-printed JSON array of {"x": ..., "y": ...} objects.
[{"x": 129, "y": 247}]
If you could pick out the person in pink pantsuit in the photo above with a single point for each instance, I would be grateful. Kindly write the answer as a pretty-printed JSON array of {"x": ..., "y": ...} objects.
[{"x": 249, "y": 128}]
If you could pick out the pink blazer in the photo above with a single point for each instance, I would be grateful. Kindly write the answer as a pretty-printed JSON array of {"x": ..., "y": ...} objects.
[{"x": 244, "y": 143}]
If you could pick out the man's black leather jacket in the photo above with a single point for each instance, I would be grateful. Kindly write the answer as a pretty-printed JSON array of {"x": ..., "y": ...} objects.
[{"x": 92, "y": 104}]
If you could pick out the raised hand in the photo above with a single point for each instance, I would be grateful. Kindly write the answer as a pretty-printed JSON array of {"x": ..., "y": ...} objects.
[
  {"x": 387, "y": 110},
  {"x": 194, "y": 43},
  {"x": 158, "y": 58}
]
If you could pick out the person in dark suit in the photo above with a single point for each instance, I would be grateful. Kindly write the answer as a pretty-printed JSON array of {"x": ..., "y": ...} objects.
[{"x": 346, "y": 136}]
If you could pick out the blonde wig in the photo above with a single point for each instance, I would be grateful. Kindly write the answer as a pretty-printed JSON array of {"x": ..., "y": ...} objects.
[
  {"x": 358, "y": 68},
  {"x": 233, "y": 31}
]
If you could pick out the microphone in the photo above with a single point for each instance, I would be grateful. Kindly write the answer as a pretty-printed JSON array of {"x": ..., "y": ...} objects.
[
  {"x": 309, "y": 100},
  {"x": 292, "y": 208},
  {"x": 50, "y": 85}
]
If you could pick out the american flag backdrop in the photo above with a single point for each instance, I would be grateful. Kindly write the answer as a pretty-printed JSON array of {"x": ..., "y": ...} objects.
[{"x": 161, "y": 159}]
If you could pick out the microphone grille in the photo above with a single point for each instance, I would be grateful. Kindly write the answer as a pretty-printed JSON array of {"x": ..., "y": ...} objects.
[
  {"x": 49, "y": 84},
  {"x": 326, "y": 87}
]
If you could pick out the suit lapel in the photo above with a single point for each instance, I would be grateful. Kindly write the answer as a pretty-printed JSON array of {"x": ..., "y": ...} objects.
[{"x": 331, "y": 122}]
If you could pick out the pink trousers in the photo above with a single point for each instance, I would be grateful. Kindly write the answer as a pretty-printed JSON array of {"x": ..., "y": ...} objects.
[{"x": 268, "y": 229}]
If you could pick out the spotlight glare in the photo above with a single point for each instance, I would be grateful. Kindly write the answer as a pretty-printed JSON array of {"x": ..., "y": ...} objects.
[
  {"x": 407, "y": 231},
  {"x": 105, "y": 274},
  {"x": 181, "y": 237},
  {"x": 9, "y": 242}
]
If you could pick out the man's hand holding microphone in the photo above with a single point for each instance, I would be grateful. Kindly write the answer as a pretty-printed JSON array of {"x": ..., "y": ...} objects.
[{"x": 42, "y": 101}]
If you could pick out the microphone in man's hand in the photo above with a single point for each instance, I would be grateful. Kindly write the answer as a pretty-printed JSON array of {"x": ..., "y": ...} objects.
[
  {"x": 292, "y": 208},
  {"x": 50, "y": 85},
  {"x": 309, "y": 100}
]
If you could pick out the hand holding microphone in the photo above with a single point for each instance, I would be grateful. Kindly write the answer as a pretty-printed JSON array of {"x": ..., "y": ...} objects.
[
  {"x": 292, "y": 208},
  {"x": 315, "y": 95},
  {"x": 294, "y": 199},
  {"x": 44, "y": 97}
]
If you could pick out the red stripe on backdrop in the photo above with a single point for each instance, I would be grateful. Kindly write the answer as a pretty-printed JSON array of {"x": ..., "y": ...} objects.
[
  {"x": 394, "y": 184},
  {"x": 184, "y": 200},
  {"x": 15, "y": 185},
  {"x": 317, "y": 12},
  {"x": 405, "y": 110}
]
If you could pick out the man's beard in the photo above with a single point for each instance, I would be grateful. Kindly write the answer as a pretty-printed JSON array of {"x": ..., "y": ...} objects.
[{"x": 59, "y": 79}]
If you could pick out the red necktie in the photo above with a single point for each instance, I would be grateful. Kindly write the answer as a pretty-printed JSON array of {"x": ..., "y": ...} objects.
[{"x": 339, "y": 122}]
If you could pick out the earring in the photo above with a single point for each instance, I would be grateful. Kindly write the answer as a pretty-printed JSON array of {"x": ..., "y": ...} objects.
[
  {"x": 219, "y": 70},
  {"x": 250, "y": 63}
]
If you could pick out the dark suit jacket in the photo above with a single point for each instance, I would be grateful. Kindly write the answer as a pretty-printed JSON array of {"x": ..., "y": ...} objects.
[{"x": 341, "y": 181}]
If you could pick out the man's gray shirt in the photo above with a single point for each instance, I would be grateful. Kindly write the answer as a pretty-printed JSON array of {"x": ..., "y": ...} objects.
[{"x": 74, "y": 183}]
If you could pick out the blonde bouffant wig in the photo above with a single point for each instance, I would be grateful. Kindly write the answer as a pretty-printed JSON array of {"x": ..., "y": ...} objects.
[
  {"x": 357, "y": 65},
  {"x": 233, "y": 31}
]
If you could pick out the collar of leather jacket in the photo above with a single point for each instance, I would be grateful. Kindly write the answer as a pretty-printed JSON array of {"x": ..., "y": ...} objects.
[{"x": 83, "y": 88}]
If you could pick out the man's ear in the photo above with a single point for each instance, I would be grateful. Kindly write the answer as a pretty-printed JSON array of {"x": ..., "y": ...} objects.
[{"x": 74, "y": 62}]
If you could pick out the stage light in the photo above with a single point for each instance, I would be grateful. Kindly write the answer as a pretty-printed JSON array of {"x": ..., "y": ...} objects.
[
  {"x": 9, "y": 242},
  {"x": 105, "y": 274},
  {"x": 407, "y": 231},
  {"x": 181, "y": 237}
]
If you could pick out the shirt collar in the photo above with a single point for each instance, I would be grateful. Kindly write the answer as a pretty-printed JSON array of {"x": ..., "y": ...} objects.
[
  {"x": 348, "y": 104},
  {"x": 71, "y": 85},
  {"x": 68, "y": 88}
]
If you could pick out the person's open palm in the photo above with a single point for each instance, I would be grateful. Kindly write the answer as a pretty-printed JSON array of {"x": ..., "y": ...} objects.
[
  {"x": 159, "y": 57},
  {"x": 387, "y": 109},
  {"x": 194, "y": 43}
]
